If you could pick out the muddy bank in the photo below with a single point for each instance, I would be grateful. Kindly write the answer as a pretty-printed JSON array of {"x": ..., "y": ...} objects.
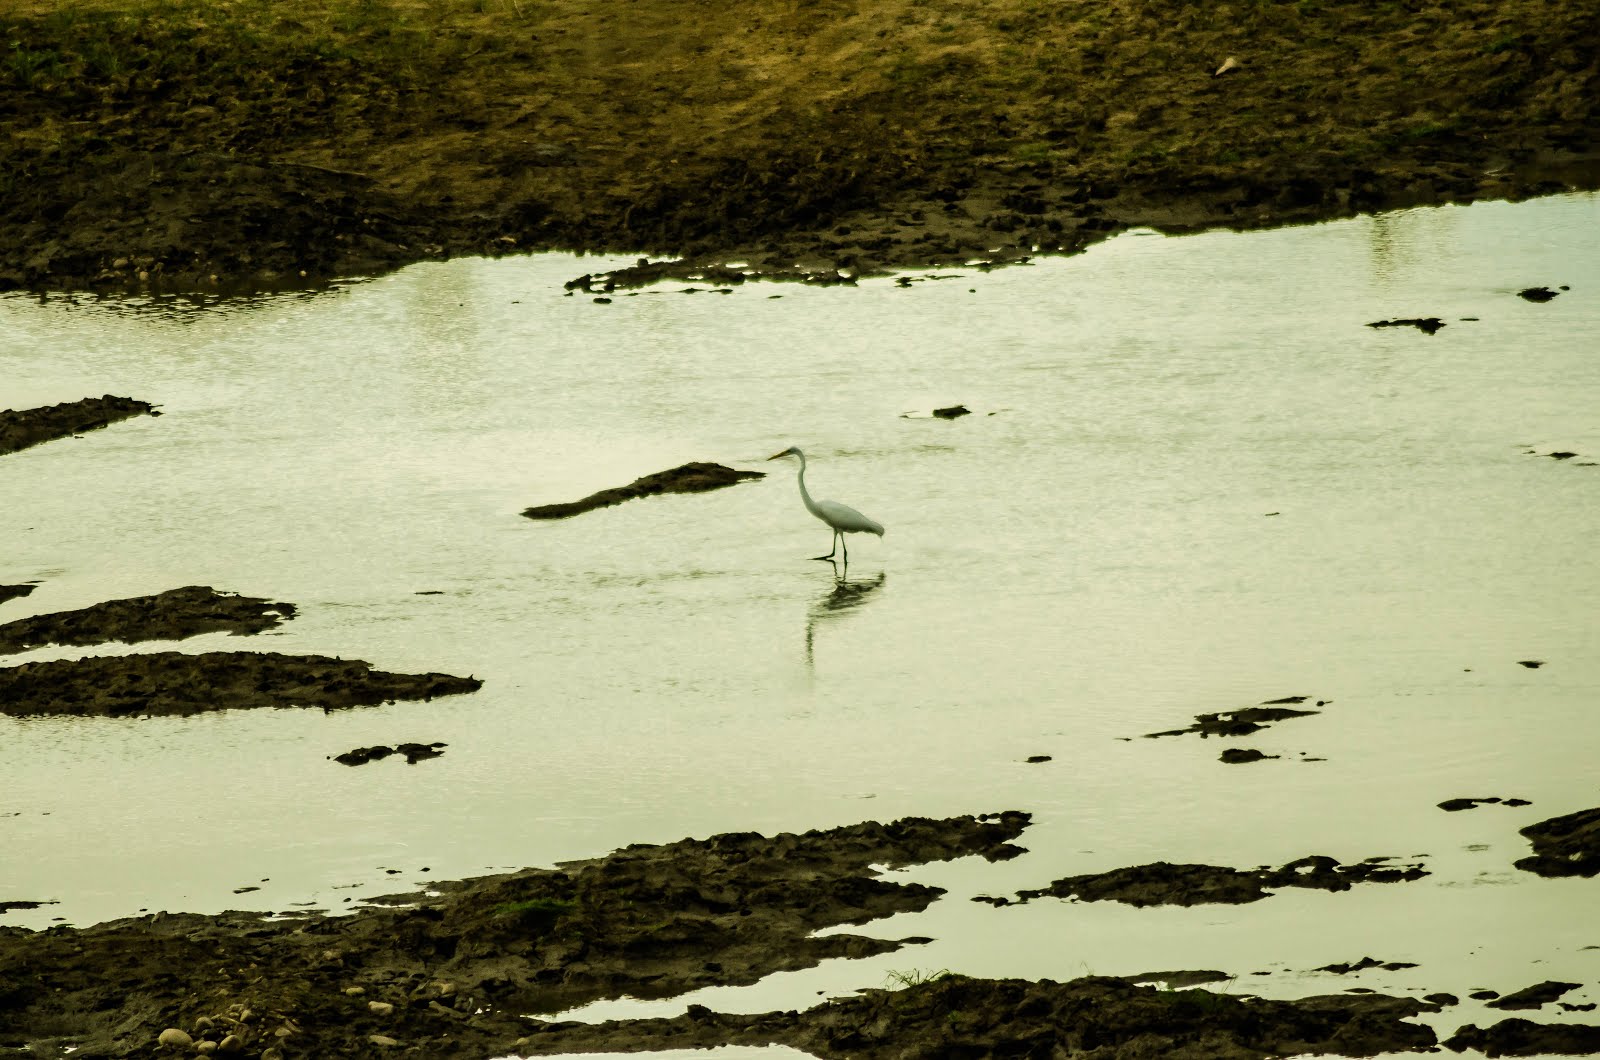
[
  {"x": 454, "y": 974},
  {"x": 171, "y": 615},
  {"x": 1518, "y": 1037},
  {"x": 1565, "y": 846},
  {"x": 1097, "y": 1018},
  {"x": 20, "y": 429},
  {"x": 1164, "y": 883},
  {"x": 199, "y": 147},
  {"x": 172, "y": 683},
  {"x": 15, "y": 592},
  {"x": 689, "y": 478}
]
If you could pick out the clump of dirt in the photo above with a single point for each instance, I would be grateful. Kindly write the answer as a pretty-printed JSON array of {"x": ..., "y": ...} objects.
[
  {"x": 1536, "y": 996},
  {"x": 1538, "y": 294},
  {"x": 171, "y": 615},
  {"x": 1565, "y": 846},
  {"x": 172, "y": 683},
  {"x": 20, "y": 429},
  {"x": 1426, "y": 325},
  {"x": 454, "y": 972},
  {"x": 1097, "y": 1018},
  {"x": 1519, "y": 1037},
  {"x": 689, "y": 478},
  {"x": 15, "y": 592},
  {"x": 1165, "y": 883},
  {"x": 412, "y": 752},
  {"x": 184, "y": 145}
]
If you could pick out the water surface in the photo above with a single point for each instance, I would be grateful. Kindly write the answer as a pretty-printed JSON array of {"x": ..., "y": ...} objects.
[{"x": 1193, "y": 481}]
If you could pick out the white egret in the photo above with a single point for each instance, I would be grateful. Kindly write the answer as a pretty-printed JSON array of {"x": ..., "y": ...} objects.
[{"x": 841, "y": 517}]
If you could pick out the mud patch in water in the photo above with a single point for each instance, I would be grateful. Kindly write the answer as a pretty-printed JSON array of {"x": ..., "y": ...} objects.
[
  {"x": 689, "y": 478},
  {"x": 172, "y": 683},
  {"x": 172, "y": 615},
  {"x": 20, "y": 429}
]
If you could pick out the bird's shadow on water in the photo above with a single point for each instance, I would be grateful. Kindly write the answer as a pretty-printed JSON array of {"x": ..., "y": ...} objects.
[{"x": 843, "y": 596}]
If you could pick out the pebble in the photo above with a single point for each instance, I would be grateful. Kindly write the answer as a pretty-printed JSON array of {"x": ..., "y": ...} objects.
[
  {"x": 381, "y": 1039},
  {"x": 203, "y": 1023},
  {"x": 355, "y": 991},
  {"x": 231, "y": 1044},
  {"x": 205, "y": 1048},
  {"x": 380, "y": 1008},
  {"x": 173, "y": 1038}
]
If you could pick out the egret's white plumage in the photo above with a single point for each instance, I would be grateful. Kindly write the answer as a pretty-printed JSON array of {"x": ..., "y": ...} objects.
[{"x": 841, "y": 517}]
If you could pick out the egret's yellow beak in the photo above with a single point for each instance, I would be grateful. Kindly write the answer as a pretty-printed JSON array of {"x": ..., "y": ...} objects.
[{"x": 779, "y": 456}]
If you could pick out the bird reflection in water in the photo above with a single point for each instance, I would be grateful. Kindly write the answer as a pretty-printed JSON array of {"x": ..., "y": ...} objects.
[{"x": 843, "y": 596}]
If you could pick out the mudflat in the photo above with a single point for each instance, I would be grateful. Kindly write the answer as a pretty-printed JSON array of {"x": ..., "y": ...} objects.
[{"x": 186, "y": 146}]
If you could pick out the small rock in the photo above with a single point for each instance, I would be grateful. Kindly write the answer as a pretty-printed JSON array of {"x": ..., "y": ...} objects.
[
  {"x": 1426, "y": 325},
  {"x": 231, "y": 1044},
  {"x": 382, "y": 1039},
  {"x": 1033, "y": 759},
  {"x": 355, "y": 991},
  {"x": 952, "y": 412},
  {"x": 1239, "y": 755},
  {"x": 380, "y": 1008},
  {"x": 205, "y": 1048},
  {"x": 1532, "y": 664},
  {"x": 173, "y": 1038},
  {"x": 1536, "y": 294}
]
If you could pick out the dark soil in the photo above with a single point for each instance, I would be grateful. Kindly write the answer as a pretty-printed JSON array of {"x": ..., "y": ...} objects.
[
  {"x": 1519, "y": 1037},
  {"x": 185, "y": 146},
  {"x": 172, "y": 615},
  {"x": 1537, "y": 294},
  {"x": 690, "y": 478},
  {"x": 21, "y": 428},
  {"x": 172, "y": 683},
  {"x": 1565, "y": 846},
  {"x": 1536, "y": 996},
  {"x": 454, "y": 975},
  {"x": 412, "y": 752},
  {"x": 1164, "y": 883},
  {"x": 1095, "y": 1018},
  {"x": 15, "y": 592}
]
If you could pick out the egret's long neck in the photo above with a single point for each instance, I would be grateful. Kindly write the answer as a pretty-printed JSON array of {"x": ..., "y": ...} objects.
[{"x": 805, "y": 496}]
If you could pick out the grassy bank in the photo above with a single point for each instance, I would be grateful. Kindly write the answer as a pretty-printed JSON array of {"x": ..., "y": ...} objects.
[{"x": 256, "y": 139}]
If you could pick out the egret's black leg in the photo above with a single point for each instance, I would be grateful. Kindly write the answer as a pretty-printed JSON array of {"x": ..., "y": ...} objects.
[
  {"x": 833, "y": 546},
  {"x": 846, "y": 545}
]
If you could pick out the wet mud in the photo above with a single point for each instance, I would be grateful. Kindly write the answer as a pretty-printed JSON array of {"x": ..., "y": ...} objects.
[
  {"x": 176, "y": 684},
  {"x": 1097, "y": 1018},
  {"x": 15, "y": 592},
  {"x": 20, "y": 429},
  {"x": 1536, "y": 996},
  {"x": 1426, "y": 325},
  {"x": 1241, "y": 722},
  {"x": 1363, "y": 964},
  {"x": 689, "y": 478},
  {"x": 1519, "y": 1037},
  {"x": 411, "y": 752},
  {"x": 454, "y": 973},
  {"x": 1165, "y": 883},
  {"x": 171, "y": 615},
  {"x": 1467, "y": 803},
  {"x": 1564, "y": 846}
]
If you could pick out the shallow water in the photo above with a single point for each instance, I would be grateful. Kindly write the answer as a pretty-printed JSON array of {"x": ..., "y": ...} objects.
[{"x": 1193, "y": 481}]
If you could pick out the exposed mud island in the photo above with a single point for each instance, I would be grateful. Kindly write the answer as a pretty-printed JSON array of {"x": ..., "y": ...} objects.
[{"x": 168, "y": 146}]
